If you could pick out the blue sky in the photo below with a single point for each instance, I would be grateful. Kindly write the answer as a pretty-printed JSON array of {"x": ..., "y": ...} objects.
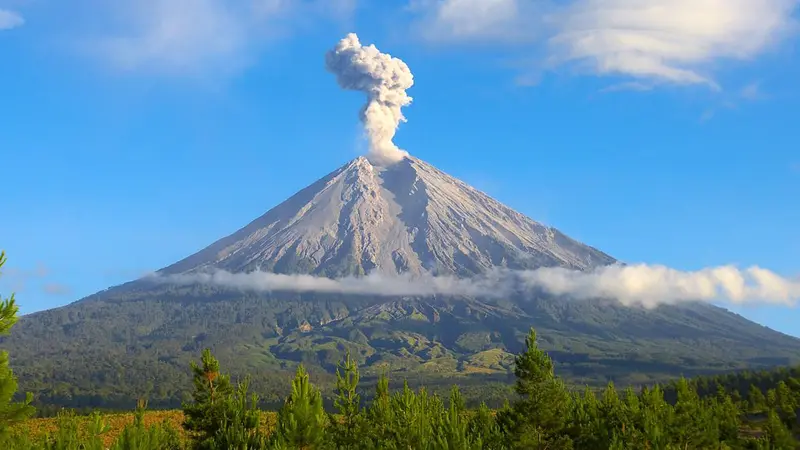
[{"x": 137, "y": 132}]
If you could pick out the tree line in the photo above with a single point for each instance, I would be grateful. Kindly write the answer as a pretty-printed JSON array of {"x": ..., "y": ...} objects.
[{"x": 545, "y": 414}]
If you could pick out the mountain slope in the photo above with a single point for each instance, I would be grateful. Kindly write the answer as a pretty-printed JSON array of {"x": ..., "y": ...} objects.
[
  {"x": 137, "y": 339},
  {"x": 409, "y": 217}
]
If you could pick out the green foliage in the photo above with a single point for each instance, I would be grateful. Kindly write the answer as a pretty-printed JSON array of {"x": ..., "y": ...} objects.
[
  {"x": 144, "y": 336},
  {"x": 539, "y": 416},
  {"x": 776, "y": 435},
  {"x": 240, "y": 429},
  {"x": 140, "y": 437},
  {"x": 10, "y": 411},
  {"x": 302, "y": 420},
  {"x": 544, "y": 415},
  {"x": 68, "y": 438},
  {"x": 220, "y": 416},
  {"x": 348, "y": 427}
]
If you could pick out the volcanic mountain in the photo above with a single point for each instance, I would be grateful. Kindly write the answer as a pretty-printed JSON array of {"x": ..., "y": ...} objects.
[{"x": 408, "y": 218}]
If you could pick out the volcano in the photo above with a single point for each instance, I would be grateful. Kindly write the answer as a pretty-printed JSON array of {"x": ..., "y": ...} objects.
[
  {"x": 406, "y": 218},
  {"x": 137, "y": 339}
]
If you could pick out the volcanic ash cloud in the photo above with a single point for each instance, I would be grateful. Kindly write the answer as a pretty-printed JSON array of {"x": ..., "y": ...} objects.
[{"x": 384, "y": 79}]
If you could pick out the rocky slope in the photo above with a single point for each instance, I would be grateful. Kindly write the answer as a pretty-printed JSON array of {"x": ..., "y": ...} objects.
[{"x": 409, "y": 217}]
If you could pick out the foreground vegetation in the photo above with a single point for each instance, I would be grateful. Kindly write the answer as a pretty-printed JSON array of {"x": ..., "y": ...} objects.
[{"x": 544, "y": 414}]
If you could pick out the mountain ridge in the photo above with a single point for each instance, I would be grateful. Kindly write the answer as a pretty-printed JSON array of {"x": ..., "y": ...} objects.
[{"x": 407, "y": 218}]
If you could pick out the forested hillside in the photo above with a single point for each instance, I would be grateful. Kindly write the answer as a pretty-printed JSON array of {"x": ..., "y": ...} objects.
[{"x": 543, "y": 413}]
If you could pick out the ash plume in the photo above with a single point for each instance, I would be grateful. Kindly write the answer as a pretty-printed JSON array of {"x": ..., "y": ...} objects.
[{"x": 384, "y": 79}]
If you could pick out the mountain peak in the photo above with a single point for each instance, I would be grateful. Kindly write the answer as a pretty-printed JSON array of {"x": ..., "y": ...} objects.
[{"x": 408, "y": 217}]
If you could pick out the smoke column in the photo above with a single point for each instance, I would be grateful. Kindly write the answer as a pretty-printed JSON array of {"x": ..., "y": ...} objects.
[{"x": 384, "y": 79}]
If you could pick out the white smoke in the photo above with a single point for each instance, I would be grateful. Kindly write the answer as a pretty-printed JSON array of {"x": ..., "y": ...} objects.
[
  {"x": 384, "y": 79},
  {"x": 648, "y": 286}
]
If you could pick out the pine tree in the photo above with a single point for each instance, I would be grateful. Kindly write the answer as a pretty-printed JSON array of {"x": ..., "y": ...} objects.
[
  {"x": 756, "y": 400},
  {"x": 656, "y": 418},
  {"x": 302, "y": 420},
  {"x": 540, "y": 414},
  {"x": 380, "y": 414},
  {"x": 207, "y": 414},
  {"x": 776, "y": 435},
  {"x": 10, "y": 411},
  {"x": 728, "y": 415},
  {"x": 452, "y": 433},
  {"x": 786, "y": 404},
  {"x": 346, "y": 429},
  {"x": 693, "y": 424},
  {"x": 483, "y": 428}
]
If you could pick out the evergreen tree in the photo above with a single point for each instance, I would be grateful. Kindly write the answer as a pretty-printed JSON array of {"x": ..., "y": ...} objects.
[
  {"x": 693, "y": 424},
  {"x": 786, "y": 404},
  {"x": 483, "y": 428},
  {"x": 301, "y": 420},
  {"x": 380, "y": 414},
  {"x": 776, "y": 435},
  {"x": 729, "y": 416},
  {"x": 540, "y": 414},
  {"x": 656, "y": 419},
  {"x": 206, "y": 416},
  {"x": 346, "y": 429},
  {"x": 10, "y": 411},
  {"x": 756, "y": 400},
  {"x": 453, "y": 432}
]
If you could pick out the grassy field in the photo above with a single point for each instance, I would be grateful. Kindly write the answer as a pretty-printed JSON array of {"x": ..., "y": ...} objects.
[{"x": 38, "y": 429}]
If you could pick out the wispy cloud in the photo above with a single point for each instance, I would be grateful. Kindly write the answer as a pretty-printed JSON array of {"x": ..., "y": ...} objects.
[
  {"x": 10, "y": 19},
  {"x": 475, "y": 21},
  {"x": 661, "y": 41},
  {"x": 641, "y": 284},
  {"x": 18, "y": 278},
  {"x": 180, "y": 37},
  {"x": 628, "y": 86},
  {"x": 56, "y": 289},
  {"x": 751, "y": 92}
]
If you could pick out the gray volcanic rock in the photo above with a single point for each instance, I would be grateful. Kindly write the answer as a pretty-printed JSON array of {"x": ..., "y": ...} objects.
[{"x": 408, "y": 217}]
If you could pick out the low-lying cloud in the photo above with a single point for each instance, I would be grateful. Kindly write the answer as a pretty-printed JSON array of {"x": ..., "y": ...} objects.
[{"x": 631, "y": 285}]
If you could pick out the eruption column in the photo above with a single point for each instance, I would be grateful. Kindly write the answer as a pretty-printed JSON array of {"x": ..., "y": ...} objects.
[{"x": 384, "y": 79}]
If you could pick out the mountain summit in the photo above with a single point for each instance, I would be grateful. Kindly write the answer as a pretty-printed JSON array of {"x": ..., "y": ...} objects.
[
  {"x": 408, "y": 217},
  {"x": 137, "y": 339}
]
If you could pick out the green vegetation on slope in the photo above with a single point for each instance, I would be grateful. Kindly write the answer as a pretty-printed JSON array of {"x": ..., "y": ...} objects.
[
  {"x": 111, "y": 348},
  {"x": 544, "y": 415}
]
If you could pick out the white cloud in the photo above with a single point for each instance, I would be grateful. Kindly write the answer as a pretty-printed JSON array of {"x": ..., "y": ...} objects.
[
  {"x": 641, "y": 284},
  {"x": 655, "y": 285},
  {"x": 752, "y": 91},
  {"x": 473, "y": 20},
  {"x": 668, "y": 41},
  {"x": 189, "y": 36},
  {"x": 10, "y": 19}
]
